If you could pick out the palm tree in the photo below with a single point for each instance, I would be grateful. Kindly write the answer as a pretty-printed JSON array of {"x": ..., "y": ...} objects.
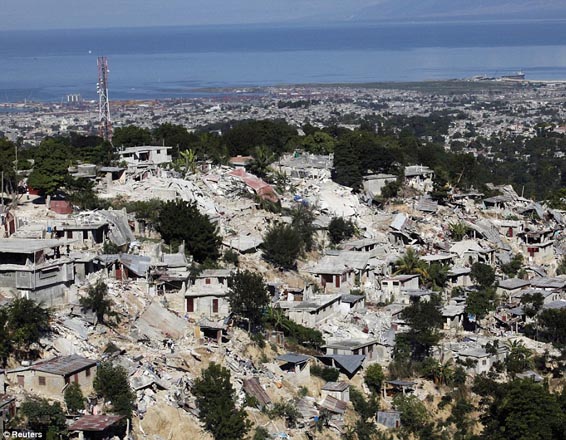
[
  {"x": 277, "y": 317},
  {"x": 262, "y": 158},
  {"x": 410, "y": 264},
  {"x": 437, "y": 275},
  {"x": 458, "y": 231},
  {"x": 190, "y": 160},
  {"x": 519, "y": 357}
]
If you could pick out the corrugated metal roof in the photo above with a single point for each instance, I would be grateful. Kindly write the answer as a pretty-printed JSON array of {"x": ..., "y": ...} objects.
[
  {"x": 334, "y": 405},
  {"x": 253, "y": 388},
  {"x": 64, "y": 366},
  {"x": 293, "y": 358},
  {"x": 97, "y": 423}
]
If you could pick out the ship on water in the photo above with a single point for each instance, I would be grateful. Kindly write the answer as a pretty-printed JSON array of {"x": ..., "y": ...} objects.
[{"x": 517, "y": 76}]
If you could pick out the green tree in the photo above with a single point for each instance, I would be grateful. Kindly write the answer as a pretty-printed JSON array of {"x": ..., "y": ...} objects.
[
  {"x": 7, "y": 162},
  {"x": 518, "y": 359},
  {"x": 458, "y": 231},
  {"x": 561, "y": 268},
  {"x": 80, "y": 192},
  {"x": 347, "y": 168},
  {"x": 216, "y": 402},
  {"x": 262, "y": 159},
  {"x": 261, "y": 433},
  {"x": 175, "y": 136},
  {"x": 552, "y": 323},
  {"x": 329, "y": 374},
  {"x": 302, "y": 221},
  {"x": 97, "y": 301},
  {"x": 5, "y": 340},
  {"x": 287, "y": 411},
  {"x": 512, "y": 268},
  {"x": 425, "y": 320},
  {"x": 532, "y": 303},
  {"x": 248, "y": 296},
  {"x": 44, "y": 417},
  {"x": 318, "y": 142},
  {"x": 180, "y": 221},
  {"x": 244, "y": 136},
  {"x": 282, "y": 245},
  {"x": 190, "y": 159},
  {"x": 374, "y": 378},
  {"x": 111, "y": 383},
  {"x": 410, "y": 264},
  {"x": 414, "y": 415},
  {"x": 437, "y": 275},
  {"x": 51, "y": 167},
  {"x": 74, "y": 399},
  {"x": 389, "y": 191},
  {"x": 483, "y": 275},
  {"x": 521, "y": 410},
  {"x": 340, "y": 229},
  {"x": 366, "y": 410},
  {"x": 131, "y": 136},
  {"x": 27, "y": 322},
  {"x": 480, "y": 302}
]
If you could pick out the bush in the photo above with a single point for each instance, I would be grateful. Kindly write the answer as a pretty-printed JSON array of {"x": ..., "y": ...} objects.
[
  {"x": 111, "y": 383},
  {"x": 329, "y": 374},
  {"x": 340, "y": 229},
  {"x": 287, "y": 411},
  {"x": 374, "y": 378},
  {"x": 180, "y": 221},
  {"x": 282, "y": 246},
  {"x": 74, "y": 398}
]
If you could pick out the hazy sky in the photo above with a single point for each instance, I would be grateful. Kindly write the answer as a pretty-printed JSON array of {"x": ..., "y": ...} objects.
[{"x": 50, "y": 14}]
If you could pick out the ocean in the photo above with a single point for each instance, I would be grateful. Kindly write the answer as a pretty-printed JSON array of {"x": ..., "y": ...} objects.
[{"x": 175, "y": 62}]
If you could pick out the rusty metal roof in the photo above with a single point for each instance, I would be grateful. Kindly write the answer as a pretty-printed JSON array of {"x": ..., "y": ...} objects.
[
  {"x": 64, "y": 366},
  {"x": 334, "y": 405},
  {"x": 252, "y": 387},
  {"x": 99, "y": 422}
]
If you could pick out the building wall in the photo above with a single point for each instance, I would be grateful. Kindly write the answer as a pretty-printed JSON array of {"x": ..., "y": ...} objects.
[
  {"x": 394, "y": 287},
  {"x": 309, "y": 318},
  {"x": 340, "y": 395},
  {"x": 203, "y": 305}
]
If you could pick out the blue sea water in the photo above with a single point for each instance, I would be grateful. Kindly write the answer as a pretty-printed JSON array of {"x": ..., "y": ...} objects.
[{"x": 176, "y": 61}]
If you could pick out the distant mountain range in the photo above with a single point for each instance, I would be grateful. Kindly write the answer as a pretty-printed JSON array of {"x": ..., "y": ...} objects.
[{"x": 447, "y": 10}]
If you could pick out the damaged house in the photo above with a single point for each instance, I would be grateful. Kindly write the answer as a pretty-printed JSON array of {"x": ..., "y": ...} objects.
[
  {"x": 36, "y": 268},
  {"x": 207, "y": 294}
]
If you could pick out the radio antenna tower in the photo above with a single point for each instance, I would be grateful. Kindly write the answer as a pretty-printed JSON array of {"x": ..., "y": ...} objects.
[{"x": 105, "y": 125}]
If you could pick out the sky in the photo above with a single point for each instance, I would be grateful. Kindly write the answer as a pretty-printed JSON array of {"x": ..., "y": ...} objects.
[{"x": 69, "y": 14}]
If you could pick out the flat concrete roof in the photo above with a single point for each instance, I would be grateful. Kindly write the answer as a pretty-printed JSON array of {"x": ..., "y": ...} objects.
[{"x": 29, "y": 246}]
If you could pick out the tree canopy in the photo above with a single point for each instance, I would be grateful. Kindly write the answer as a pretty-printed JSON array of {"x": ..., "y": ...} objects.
[
  {"x": 340, "y": 229},
  {"x": 282, "y": 245},
  {"x": 97, "y": 301},
  {"x": 216, "y": 401},
  {"x": 50, "y": 170},
  {"x": 131, "y": 136},
  {"x": 44, "y": 417},
  {"x": 248, "y": 296},
  {"x": 111, "y": 382},
  {"x": 180, "y": 221},
  {"x": 521, "y": 410},
  {"x": 425, "y": 320},
  {"x": 23, "y": 322}
]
